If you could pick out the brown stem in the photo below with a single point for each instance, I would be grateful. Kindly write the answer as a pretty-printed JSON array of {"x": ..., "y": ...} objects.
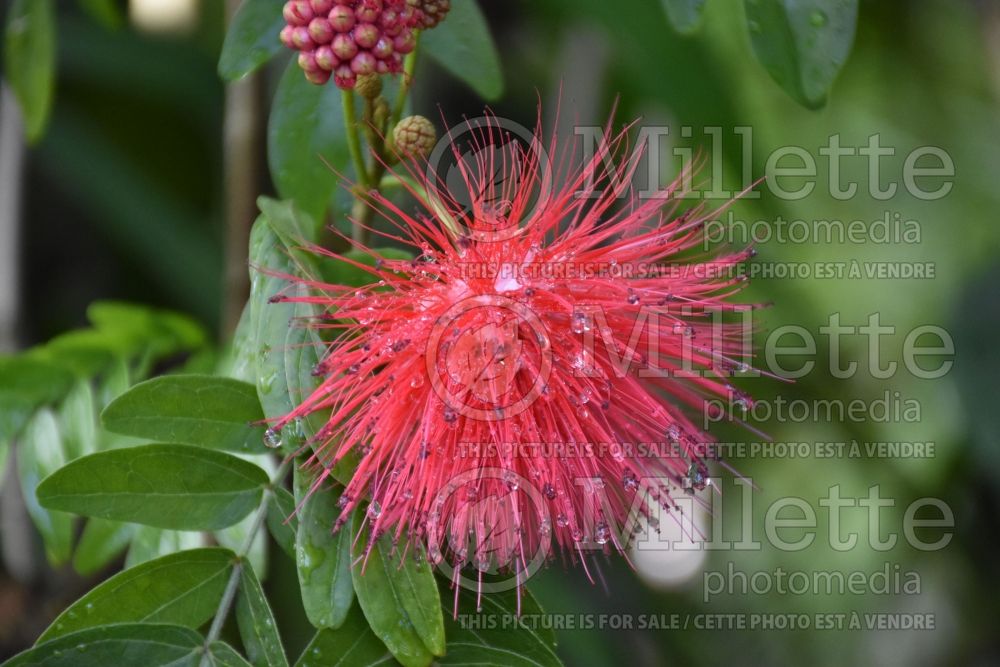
[
  {"x": 242, "y": 127},
  {"x": 11, "y": 177}
]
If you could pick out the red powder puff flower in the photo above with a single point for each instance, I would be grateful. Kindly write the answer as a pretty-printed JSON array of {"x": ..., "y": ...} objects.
[{"x": 534, "y": 376}]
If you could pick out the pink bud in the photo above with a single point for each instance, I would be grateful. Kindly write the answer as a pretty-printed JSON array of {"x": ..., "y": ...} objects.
[
  {"x": 366, "y": 35},
  {"x": 388, "y": 19},
  {"x": 286, "y": 36},
  {"x": 322, "y": 7},
  {"x": 319, "y": 77},
  {"x": 405, "y": 43},
  {"x": 342, "y": 18},
  {"x": 307, "y": 61},
  {"x": 382, "y": 48},
  {"x": 301, "y": 39},
  {"x": 363, "y": 63},
  {"x": 368, "y": 10},
  {"x": 320, "y": 31},
  {"x": 297, "y": 12},
  {"x": 344, "y": 77},
  {"x": 344, "y": 47},
  {"x": 325, "y": 58}
]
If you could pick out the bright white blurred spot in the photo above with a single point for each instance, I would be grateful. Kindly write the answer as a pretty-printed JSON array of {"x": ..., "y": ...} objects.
[
  {"x": 164, "y": 15},
  {"x": 675, "y": 555}
]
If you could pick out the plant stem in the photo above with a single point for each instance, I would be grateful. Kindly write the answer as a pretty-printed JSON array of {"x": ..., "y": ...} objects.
[
  {"x": 370, "y": 178},
  {"x": 241, "y": 131},
  {"x": 354, "y": 139},
  {"x": 406, "y": 81},
  {"x": 229, "y": 594}
]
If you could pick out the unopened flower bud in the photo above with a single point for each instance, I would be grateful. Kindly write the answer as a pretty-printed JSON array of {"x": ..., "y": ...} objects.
[
  {"x": 369, "y": 86},
  {"x": 414, "y": 137},
  {"x": 430, "y": 12}
]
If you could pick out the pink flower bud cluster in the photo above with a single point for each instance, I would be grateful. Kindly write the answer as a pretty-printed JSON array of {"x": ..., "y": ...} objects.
[
  {"x": 347, "y": 38},
  {"x": 431, "y": 12}
]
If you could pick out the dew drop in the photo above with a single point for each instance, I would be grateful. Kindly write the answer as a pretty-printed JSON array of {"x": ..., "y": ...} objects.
[
  {"x": 602, "y": 534},
  {"x": 272, "y": 439},
  {"x": 374, "y": 510}
]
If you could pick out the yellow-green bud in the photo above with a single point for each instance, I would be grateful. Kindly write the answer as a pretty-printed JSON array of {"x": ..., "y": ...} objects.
[
  {"x": 414, "y": 137},
  {"x": 368, "y": 86}
]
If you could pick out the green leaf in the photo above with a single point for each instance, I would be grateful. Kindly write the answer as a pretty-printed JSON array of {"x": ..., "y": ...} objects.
[
  {"x": 489, "y": 636},
  {"x": 306, "y": 143},
  {"x": 256, "y": 623},
  {"x": 168, "y": 486},
  {"x": 221, "y": 654},
  {"x": 84, "y": 352},
  {"x": 105, "y": 12},
  {"x": 142, "y": 328},
  {"x": 353, "y": 644},
  {"x": 39, "y": 453},
  {"x": 252, "y": 38},
  {"x": 270, "y": 322},
  {"x": 238, "y": 361},
  {"x": 77, "y": 419},
  {"x": 115, "y": 382},
  {"x": 121, "y": 645},
  {"x": 294, "y": 228},
  {"x": 30, "y": 60},
  {"x": 27, "y": 382},
  {"x": 100, "y": 543},
  {"x": 281, "y": 520},
  {"x": 400, "y": 600},
  {"x": 685, "y": 15},
  {"x": 183, "y": 589},
  {"x": 462, "y": 44},
  {"x": 803, "y": 43},
  {"x": 323, "y": 558},
  {"x": 285, "y": 349},
  {"x": 149, "y": 543},
  {"x": 213, "y": 412}
]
